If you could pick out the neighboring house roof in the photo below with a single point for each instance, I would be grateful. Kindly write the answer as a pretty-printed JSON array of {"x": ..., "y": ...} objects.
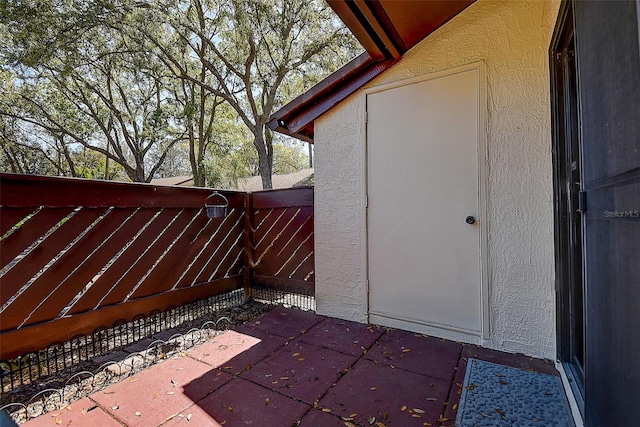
[
  {"x": 182, "y": 181},
  {"x": 254, "y": 183},
  {"x": 386, "y": 29}
]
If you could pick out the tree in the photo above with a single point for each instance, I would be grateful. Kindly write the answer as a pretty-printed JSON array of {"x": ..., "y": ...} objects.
[
  {"x": 98, "y": 88},
  {"x": 253, "y": 49}
]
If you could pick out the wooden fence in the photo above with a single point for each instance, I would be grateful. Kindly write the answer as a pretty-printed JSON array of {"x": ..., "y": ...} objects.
[{"x": 80, "y": 255}]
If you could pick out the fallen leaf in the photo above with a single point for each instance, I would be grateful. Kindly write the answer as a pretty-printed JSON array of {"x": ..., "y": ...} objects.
[
  {"x": 108, "y": 392},
  {"x": 404, "y": 408},
  {"x": 443, "y": 419},
  {"x": 472, "y": 386},
  {"x": 406, "y": 350},
  {"x": 373, "y": 389},
  {"x": 431, "y": 399},
  {"x": 56, "y": 414},
  {"x": 347, "y": 418},
  {"x": 266, "y": 401},
  {"x": 372, "y": 420},
  {"x": 68, "y": 408},
  {"x": 133, "y": 380},
  {"x": 284, "y": 378},
  {"x": 326, "y": 410},
  {"x": 58, "y": 421},
  {"x": 223, "y": 422},
  {"x": 138, "y": 414},
  {"x": 418, "y": 411},
  {"x": 302, "y": 359},
  {"x": 455, "y": 406},
  {"x": 115, "y": 408},
  {"x": 416, "y": 416},
  {"x": 171, "y": 392},
  {"x": 189, "y": 417},
  {"x": 230, "y": 409},
  {"x": 427, "y": 424},
  {"x": 353, "y": 415},
  {"x": 379, "y": 424},
  {"x": 348, "y": 424},
  {"x": 295, "y": 354}
]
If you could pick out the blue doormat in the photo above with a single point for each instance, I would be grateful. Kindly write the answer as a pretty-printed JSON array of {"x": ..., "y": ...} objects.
[{"x": 497, "y": 396}]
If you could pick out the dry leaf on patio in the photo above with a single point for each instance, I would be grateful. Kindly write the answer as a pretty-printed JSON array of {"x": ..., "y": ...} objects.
[
  {"x": 295, "y": 354},
  {"x": 418, "y": 411},
  {"x": 230, "y": 409},
  {"x": 302, "y": 359},
  {"x": 138, "y": 414},
  {"x": 379, "y": 424},
  {"x": 266, "y": 401},
  {"x": 326, "y": 410},
  {"x": 348, "y": 424},
  {"x": 189, "y": 417},
  {"x": 171, "y": 392},
  {"x": 373, "y": 389},
  {"x": 404, "y": 408},
  {"x": 58, "y": 421},
  {"x": 115, "y": 408},
  {"x": 372, "y": 420}
]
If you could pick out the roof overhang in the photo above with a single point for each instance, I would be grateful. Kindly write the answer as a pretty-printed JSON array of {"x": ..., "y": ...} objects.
[{"x": 387, "y": 29}]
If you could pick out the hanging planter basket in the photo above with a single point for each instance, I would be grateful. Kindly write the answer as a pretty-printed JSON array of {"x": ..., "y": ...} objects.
[{"x": 216, "y": 205}]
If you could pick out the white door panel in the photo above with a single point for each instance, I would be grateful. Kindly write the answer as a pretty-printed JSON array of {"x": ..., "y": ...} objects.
[{"x": 423, "y": 175}]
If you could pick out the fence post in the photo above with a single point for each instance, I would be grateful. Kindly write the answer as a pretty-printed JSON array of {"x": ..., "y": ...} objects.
[{"x": 248, "y": 244}]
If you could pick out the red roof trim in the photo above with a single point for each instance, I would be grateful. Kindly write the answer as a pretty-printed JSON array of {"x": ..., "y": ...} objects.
[{"x": 378, "y": 27}]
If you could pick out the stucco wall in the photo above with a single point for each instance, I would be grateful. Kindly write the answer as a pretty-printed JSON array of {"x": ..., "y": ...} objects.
[{"x": 512, "y": 38}]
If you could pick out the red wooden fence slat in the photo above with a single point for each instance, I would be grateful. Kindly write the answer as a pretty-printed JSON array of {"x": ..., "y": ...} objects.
[
  {"x": 30, "y": 232},
  {"x": 290, "y": 197},
  {"x": 131, "y": 221},
  {"x": 31, "y": 264},
  {"x": 110, "y": 279},
  {"x": 23, "y": 190},
  {"x": 10, "y": 216},
  {"x": 33, "y": 301},
  {"x": 148, "y": 259},
  {"x": 291, "y": 237},
  {"x": 199, "y": 252},
  {"x": 159, "y": 279},
  {"x": 267, "y": 234}
]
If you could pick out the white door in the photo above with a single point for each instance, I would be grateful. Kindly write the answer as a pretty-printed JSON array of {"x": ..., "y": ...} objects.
[{"x": 424, "y": 155}]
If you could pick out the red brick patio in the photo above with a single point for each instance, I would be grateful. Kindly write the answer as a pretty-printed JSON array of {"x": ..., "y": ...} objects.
[{"x": 292, "y": 368}]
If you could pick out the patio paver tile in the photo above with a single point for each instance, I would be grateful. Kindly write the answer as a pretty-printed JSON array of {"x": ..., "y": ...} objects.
[
  {"x": 300, "y": 370},
  {"x": 242, "y": 402},
  {"x": 288, "y": 323},
  {"x": 343, "y": 336},
  {"x": 380, "y": 391},
  {"x": 250, "y": 357},
  {"x": 81, "y": 413},
  {"x": 417, "y": 353},
  {"x": 149, "y": 397},
  {"x": 317, "y": 418},
  {"x": 224, "y": 347}
]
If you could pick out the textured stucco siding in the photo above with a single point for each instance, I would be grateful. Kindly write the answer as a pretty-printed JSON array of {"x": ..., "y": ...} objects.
[{"x": 512, "y": 38}]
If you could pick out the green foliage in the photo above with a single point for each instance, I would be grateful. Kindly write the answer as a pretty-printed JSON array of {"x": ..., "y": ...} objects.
[{"x": 135, "y": 89}]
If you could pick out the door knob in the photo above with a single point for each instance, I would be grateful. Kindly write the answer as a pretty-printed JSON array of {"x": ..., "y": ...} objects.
[{"x": 470, "y": 220}]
